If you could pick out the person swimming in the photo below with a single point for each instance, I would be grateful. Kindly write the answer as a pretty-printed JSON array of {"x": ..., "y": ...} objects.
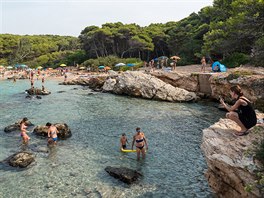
[
  {"x": 52, "y": 133},
  {"x": 141, "y": 142}
]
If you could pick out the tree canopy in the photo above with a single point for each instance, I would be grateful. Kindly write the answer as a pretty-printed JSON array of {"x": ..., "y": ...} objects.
[{"x": 230, "y": 30}]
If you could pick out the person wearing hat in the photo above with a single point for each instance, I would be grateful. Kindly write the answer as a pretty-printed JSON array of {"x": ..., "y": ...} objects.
[{"x": 141, "y": 143}]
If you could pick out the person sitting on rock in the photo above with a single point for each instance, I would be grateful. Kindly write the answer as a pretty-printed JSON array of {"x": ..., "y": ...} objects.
[
  {"x": 245, "y": 116},
  {"x": 52, "y": 133},
  {"x": 23, "y": 129},
  {"x": 123, "y": 141}
]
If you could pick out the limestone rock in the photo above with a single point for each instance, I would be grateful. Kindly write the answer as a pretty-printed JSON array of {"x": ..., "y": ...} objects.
[
  {"x": 143, "y": 85},
  {"x": 64, "y": 130},
  {"x": 231, "y": 165},
  {"x": 124, "y": 174},
  {"x": 20, "y": 159},
  {"x": 188, "y": 82},
  {"x": 36, "y": 91}
]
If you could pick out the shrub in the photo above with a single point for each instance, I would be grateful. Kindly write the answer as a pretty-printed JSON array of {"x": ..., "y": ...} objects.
[
  {"x": 236, "y": 60},
  {"x": 260, "y": 152}
]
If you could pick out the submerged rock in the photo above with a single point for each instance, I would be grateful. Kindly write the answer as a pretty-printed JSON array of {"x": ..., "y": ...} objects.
[
  {"x": 36, "y": 91},
  {"x": 64, "y": 130},
  {"x": 124, "y": 174},
  {"x": 15, "y": 126},
  {"x": 20, "y": 159}
]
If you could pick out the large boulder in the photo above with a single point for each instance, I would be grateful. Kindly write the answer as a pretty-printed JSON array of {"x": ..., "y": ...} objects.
[
  {"x": 232, "y": 166},
  {"x": 15, "y": 126},
  {"x": 64, "y": 130},
  {"x": 143, "y": 85},
  {"x": 124, "y": 174},
  {"x": 36, "y": 91},
  {"x": 185, "y": 81},
  {"x": 20, "y": 159}
]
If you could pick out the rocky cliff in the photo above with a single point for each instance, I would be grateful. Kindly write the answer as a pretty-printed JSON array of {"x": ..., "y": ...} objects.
[{"x": 232, "y": 167}]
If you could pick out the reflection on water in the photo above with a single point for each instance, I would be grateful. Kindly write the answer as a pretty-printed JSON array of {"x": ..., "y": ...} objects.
[{"x": 174, "y": 165}]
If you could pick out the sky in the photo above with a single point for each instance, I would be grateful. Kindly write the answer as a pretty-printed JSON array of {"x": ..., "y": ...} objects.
[{"x": 70, "y": 17}]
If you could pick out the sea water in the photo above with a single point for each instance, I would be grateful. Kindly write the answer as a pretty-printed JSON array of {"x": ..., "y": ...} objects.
[{"x": 174, "y": 165}]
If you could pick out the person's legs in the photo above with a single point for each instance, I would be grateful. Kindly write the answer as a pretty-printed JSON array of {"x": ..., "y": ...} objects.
[
  {"x": 143, "y": 153},
  {"x": 234, "y": 116},
  {"x": 138, "y": 154}
]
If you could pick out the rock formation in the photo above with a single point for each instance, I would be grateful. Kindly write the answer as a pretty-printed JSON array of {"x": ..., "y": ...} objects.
[
  {"x": 143, "y": 85},
  {"x": 36, "y": 91},
  {"x": 188, "y": 82},
  {"x": 124, "y": 174},
  {"x": 20, "y": 159},
  {"x": 230, "y": 158},
  {"x": 64, "y": 130}
]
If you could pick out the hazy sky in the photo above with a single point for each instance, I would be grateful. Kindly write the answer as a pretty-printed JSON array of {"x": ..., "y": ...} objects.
[{"x": 70, "y": 17}]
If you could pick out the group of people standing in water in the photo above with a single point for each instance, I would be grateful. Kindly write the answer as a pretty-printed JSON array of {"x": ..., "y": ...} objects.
[
  {"x": 52, "y": 132},
  {"x": 140, "y": 140}
]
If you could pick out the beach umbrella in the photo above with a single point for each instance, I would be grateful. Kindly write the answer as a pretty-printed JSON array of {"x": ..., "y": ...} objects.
[
  {"x": 107, "y": 68},
  {"x": 130, "y": 64},
  {"x": 63, "y": 65},
  {"x": 101, "y": 67},
  {"x": 175, "y": 58},
  {"x": 82, "y": 67},
  {"x": 120, "y": 64},
  {"x": 1, "y": 66},
  {"x": 50, "y": 68},
  {"x": 9, "y": 67},
  {"x": 39, "y": 67}
]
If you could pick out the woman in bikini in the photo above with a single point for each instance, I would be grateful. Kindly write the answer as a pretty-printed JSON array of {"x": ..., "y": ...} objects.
[
  {"x": 141, "y": 142},
  {"x": 23, "y": 129},
  {"x": 241, "y": 112}
]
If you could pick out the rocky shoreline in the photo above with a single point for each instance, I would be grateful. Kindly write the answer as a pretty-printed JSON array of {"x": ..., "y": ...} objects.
[{"x": 231, "y": 164}]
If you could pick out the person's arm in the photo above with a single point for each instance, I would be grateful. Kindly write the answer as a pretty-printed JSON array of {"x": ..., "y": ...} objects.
[
  {"x": 133, "y": 142},
  {"x": 230, "y": 108},
  {"x": 145, "y": 140},
  {"x": 121, "y": 142},
  {"x": 48, "y": 132}
]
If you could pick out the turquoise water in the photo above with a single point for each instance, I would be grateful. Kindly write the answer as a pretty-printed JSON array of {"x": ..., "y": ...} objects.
[{"x": 174, "y": 166}]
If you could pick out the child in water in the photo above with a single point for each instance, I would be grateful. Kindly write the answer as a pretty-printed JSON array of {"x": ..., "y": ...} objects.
[{"x": 123, "y": 141}]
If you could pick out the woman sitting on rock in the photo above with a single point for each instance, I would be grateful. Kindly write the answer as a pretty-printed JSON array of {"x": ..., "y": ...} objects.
[
  {"x": 241, "y": 112},
  {"x": 23, "y": 129}
]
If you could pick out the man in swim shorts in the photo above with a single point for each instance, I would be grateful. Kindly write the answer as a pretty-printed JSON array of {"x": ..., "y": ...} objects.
[{"x": 52, "y": 133}]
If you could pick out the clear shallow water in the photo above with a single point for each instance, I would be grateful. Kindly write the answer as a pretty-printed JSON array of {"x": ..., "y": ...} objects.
[{"x": 174, "y": 166}]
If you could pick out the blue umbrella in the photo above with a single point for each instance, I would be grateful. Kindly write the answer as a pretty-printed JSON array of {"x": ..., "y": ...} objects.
[
  {"x": 130, "y": 64},
  {"x": 101, "y": 67}
]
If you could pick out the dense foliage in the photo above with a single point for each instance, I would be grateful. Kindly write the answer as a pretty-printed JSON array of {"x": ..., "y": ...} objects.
[{"x": 231, "y": 31}]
